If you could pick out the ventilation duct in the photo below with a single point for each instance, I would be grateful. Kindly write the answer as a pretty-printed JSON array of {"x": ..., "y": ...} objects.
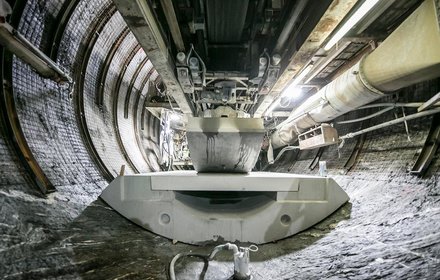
[{"x": 397, "y": 63}]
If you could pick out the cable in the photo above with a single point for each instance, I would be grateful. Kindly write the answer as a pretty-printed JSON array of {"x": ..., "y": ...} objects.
[
  {"x": 241, "y": 259},
  {"x": 367, "y": 117},
  {"x": 393, "y": 122},
  {"x": 288, "y": 148},
  {"x": 205, "y": 259}
]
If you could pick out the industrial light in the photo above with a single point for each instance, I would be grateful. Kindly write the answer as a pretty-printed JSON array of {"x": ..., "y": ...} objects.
[
  {"x": 297, "y": 92},
  {"x": 290, "y": 88},
  {"x": 297, "y": 80},
  {"x": 354, "y": 19}
]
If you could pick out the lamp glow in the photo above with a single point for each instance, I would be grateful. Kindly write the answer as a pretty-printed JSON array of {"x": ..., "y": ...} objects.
[
  {"x": 354, "y": 19},
  {"x": 289, "y": 88},
  {"x": 297, "y": 80},
  {"x": 174, "y": 117}
]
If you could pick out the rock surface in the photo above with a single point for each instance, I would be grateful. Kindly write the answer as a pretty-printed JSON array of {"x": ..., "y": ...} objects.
[{"x": 389, "y": 229}]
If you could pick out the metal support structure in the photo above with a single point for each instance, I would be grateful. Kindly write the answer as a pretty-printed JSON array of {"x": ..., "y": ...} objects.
[
  {"x": 140, "y": 19},
  {"x": 430, "y": 103},
  {"x": 131, "y": 85},
  {"x": 429, "y": 148},
  {"x": 389, "y": 67},
  {"x": 22, "y": 48},
  {"x": 89, "y": 43},
  {"x": 351, "y": 161},
  {"x": 325, "y": 61},
  {"x": 144, "y": 110},
  {"x": 196, "y": 208},
  {"x": 115, "y": 107},
  {"x": 10, "y": 118},
  {"x": 335, "y": 13},
  {"x": 317, "y": 158},
  {"x": 287, "y": 29},
  {"x": 145, "y": 81},
  {"x": 99, "y": 98},
  {"x": 170, "y": 15},
  {"x": 57, "y": 30},
  {"x": 14, "y": 130}
]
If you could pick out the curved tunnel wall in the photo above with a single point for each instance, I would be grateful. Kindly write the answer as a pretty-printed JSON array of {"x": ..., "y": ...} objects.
[
  {"x": 56, "y": 122},
  {"x": 389, "y": 208},
  {"x": 48, "y": 115}
]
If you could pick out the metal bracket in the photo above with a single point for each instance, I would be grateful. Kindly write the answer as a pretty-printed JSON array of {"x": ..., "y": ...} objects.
[
  {"x": 323, "y": 135},
  {"x": 429, "y": 148},
  {"x": 315, "y": 161},
  {"x": 349, "y": 164}
]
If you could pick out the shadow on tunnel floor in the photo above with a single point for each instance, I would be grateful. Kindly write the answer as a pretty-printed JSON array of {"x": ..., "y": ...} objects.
[{"x": 106, "y": 245}]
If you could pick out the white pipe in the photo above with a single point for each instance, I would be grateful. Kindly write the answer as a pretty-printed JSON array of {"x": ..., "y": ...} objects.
[
  {"x": 411, "y": 54},
  {"x": 367, "y": 117},
  {"x": 393, "y": 122},
  {"x": 397, "y": 104},
  {"x": 22, "y": 48},
  {"x": 43, "y": 57},
  {"x": 296, "y": 11}
]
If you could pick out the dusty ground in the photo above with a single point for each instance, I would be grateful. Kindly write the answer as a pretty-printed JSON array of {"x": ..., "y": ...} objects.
[{"x": 389, "y": 229}]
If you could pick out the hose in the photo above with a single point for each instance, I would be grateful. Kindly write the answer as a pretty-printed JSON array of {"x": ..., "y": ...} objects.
[
  {"x": 367, "y": 117},
  {"x": 205, "y": 259},
  {"x": 237, "y": 251}
]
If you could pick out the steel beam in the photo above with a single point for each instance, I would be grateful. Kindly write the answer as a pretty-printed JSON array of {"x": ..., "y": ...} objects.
[
  {"x": 57, "y": 30},
  {"x": 168, "y": 9},
  {"x": 429, "y": 148},
  {"x": 115, "y": 107},
  {"x": 391, "y": 66},
  {"x": 430, "y": 103},
  {"x": 351, "y": 161},
  {"x": 131, "y": 85},
  {"x": 25, "y": 50},
  {"x": 145, "y": 81},
  {"x": 140, "y": 19},
  {"x": 82, "y": 61},
  {"x": 102, "y": 76},
  {"x": 15, "y": 131},
  {"x": 335, "y": 13}
]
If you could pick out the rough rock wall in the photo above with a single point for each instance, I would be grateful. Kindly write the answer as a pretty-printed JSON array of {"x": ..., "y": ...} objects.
[{"x": 48, "y": 115}]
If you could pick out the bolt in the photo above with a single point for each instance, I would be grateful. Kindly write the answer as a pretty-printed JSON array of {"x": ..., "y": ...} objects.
[
  {"x": 181, "y": 57},
  {"x": 193, "y": 61},
  {"x": 276, "y": 58}
]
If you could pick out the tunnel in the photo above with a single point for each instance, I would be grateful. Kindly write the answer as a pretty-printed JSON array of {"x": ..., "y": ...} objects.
[{"x": 95, "y": 90}]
